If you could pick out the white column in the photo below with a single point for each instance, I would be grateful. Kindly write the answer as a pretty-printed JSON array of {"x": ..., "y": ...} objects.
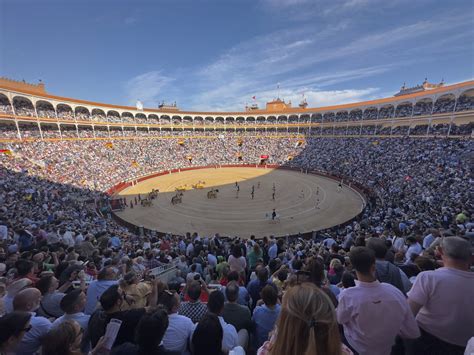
[
  {"x": 18, "y": 129},
  {"x": 40, "y": 131}
]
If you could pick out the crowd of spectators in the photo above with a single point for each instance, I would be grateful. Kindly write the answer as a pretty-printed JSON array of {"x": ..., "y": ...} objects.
[
  {"x": 421, "y": 108},
  {"x": 24, "y": 108},
  {"x": 396, "y": 280},
  {"x": 370, "y": 114},
  {"x": 446, "y": 104},
  {"x": 465, "y": 102},
  {"x": 31, "y": 131},
  {"x": 65, "y": 113},
  {"x": 386, "y": 112},
  {"x": 403, "y": 110},
  {"x": 5, "y": 107}
]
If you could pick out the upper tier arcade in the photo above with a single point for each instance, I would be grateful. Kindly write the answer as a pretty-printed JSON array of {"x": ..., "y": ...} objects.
[{"x": 19, "y": 99}]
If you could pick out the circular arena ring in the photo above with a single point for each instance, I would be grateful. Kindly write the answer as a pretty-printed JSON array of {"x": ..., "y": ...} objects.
[{"x": 220, "y": 200}]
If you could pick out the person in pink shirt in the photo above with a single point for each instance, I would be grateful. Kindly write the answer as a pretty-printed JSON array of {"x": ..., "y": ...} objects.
[
  {"x": 442, "y": 301},
  {"x": 373, "y": 313}
]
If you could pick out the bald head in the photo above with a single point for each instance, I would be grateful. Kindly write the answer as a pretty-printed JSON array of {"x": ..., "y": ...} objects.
[
  {"x": 456, "y": 248},
  {"x": 27, "y": 300}
]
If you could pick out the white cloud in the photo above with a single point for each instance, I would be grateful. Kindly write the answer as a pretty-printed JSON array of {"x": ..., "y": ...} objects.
[
  {"x": 316, "y": 97},
  {"x": 148, "y": 87},
  {"x": 302, "y": 58}
]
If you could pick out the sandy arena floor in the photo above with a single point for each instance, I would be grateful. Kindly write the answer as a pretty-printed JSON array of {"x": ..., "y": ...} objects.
[{"x": 303, "y": 202}]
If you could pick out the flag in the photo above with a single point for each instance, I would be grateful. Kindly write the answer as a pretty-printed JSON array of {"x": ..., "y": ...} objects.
[
  {"x": 6, "y": 151},
  {"x": 109, "y": 145},
  {"x": 139, "y": 105},
  {"x": 181, "y": 142},
  {"x": 135, "y": 164}
]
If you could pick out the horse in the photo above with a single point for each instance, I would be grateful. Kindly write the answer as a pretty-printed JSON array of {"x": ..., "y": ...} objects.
[
  {"x": 146, "y": 203},
  {"x": 178, "y": 198},
  {"x": 153, "y": 194},
  {"x": 212, "y": 193}
]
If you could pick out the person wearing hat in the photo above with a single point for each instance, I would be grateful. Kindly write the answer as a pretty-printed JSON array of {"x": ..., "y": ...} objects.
[{"x": 136, "y": 292}]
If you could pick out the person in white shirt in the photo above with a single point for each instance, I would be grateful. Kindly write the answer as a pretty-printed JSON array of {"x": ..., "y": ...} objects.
[
  {"x": 180, "y": 329},
  {"x": 430, "y": 238},
  {"x": 363, "y": 310},
  {"x": 414, "y": 248},
  {"x": 328, "y": 242},
  {"x": 273, "y": 250},
  {"x": 78, "y": 239},
  {"x": 398, "y": 244},
  {"x": 442, "y": 301},
  {"x": 212, "y": 259},
  {"x": 68, "y": 239},
  {"x": 190, "y": 250}
]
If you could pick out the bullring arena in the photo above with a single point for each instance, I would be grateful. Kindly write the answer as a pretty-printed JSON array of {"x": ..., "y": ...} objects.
[
  {"x": 137, "y": 192},
  {"x": 111, "y": 153},
  {"x": 303, "y": 202},
  {"x": 269, "y": 177}
]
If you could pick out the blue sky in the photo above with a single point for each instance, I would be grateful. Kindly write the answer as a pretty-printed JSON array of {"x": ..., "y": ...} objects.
[{"x": 216, "y": 55}]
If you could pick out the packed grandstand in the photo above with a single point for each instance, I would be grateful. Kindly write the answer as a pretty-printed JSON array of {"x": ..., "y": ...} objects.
[{"x": 394, "y": 280}]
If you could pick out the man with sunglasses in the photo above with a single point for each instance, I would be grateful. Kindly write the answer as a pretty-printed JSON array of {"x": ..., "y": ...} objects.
[
  {"x": 111, "y": 301},
  {"x": 29, "y": 300}
]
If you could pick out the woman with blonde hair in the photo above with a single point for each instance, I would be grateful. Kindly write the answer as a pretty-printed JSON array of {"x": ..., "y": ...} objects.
[{"x": 307, "y": 325}]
